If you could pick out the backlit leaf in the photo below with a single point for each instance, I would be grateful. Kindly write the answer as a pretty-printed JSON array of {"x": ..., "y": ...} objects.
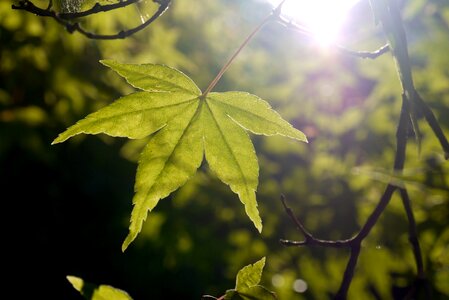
[
  {"x": 247, "y": 284},
  {"x": 250, "y": 275},
  {"x": 184, "y": 126}
]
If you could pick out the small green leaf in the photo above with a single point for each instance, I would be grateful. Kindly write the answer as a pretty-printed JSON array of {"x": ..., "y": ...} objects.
[
  {"x": 97, "y": 292},
  {"x": 154, "y": 78},
  {"x": 247, "y": 284},
  {"x": 250, "y": 275},
  {"x": 184, "y": 126}
]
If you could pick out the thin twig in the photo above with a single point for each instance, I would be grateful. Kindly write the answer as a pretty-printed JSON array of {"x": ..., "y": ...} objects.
[
  {"x": 355, "y": 243},
  {"x": 309, "y": 239},
  {"x": 64, "y": 18},
  {"x": 412, "y": 232},
  {"x": 364, "y": 54},
  {"x": 421, "y": 281},
  {"x": 433, "y": 123},
  {"x": 96, "y": 9},
  {"x": 307, "y": 32},
  {"x": 291, "y": 25},
  {"x": 401, "y": 143},
  {"x": 276, "y": 12}
]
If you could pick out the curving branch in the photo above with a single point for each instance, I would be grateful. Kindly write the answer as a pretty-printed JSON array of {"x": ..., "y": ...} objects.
[
  {"x": 309, "y": 239},
  {"x": 433, "y": 123},
  {"x": 65, "y": 19},
  {"x": 354, "y": 243}
]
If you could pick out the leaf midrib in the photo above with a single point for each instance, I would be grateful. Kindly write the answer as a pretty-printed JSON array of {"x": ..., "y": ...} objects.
[
  {"x": 229, "y": 147},
  {"x": 142, "y": 110},
  {"x": 247, "y": 111},
  {"x": 143, "y": 75},
  {"x": 171, "y": 154}
]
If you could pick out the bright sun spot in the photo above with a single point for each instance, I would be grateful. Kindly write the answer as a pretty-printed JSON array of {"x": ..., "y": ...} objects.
[{"x": 323, "y": 18}]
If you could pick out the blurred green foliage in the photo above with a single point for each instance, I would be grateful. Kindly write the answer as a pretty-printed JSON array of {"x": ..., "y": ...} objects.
[{"x": 68, "y": 206}]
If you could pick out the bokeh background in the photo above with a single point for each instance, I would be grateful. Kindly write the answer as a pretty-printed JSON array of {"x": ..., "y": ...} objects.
[{"x": 66, "y": 207}]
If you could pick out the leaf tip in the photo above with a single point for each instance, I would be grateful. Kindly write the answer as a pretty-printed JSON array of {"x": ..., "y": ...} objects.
[
  {"x": 301, "y": 136},
  {"x": 60, "y": 139},
  {"x": 76, "y": 282},
  {"x": 55, "y": 141},
  {"x": 106, "y": 62},
  {"x": 129, "y": 239},
  {"x": 257, "y": 221}
]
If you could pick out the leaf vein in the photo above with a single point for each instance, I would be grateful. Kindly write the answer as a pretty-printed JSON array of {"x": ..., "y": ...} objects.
[
  {"x": 119, "y": 114},
  {"x": 174, "y": 150},
  {"x": 229, "y": 148},
  {"x": 247, "y": 111},
  {"x": 143, "y": 75}
]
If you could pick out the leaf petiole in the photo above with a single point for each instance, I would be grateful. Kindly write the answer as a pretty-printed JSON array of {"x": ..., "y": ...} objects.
[{"x": 274, "y": 14}]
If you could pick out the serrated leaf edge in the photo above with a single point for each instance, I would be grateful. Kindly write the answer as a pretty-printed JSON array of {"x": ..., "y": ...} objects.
[{"x": 196, "y": 92}]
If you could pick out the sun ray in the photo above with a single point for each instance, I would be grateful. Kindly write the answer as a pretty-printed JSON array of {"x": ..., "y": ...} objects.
[{"x": 324, "y": 18}]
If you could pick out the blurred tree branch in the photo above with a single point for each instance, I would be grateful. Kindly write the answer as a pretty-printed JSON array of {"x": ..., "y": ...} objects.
[
  {"x": 354, "y": 243},
  {"x": 412, "y": 104},
  {"x": 65, "y": 18},
  {"x": 412, "y": 232}
]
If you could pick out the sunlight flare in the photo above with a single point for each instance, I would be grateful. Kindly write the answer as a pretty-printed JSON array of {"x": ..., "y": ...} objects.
[{"x": 323, "y": 18}]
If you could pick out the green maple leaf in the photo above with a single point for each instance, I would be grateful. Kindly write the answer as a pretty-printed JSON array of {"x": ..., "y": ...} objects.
[
  {"x": 184, "y": 124},
  {"x": 250, "y": 275},
  {"x": 247, "y": 284}
]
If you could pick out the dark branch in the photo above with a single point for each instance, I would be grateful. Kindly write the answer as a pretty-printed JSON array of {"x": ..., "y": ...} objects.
[
  {"x": 349, "y": 273},
  {"x": 309, "y": 239},
  {"x": 96, "y": 9},
  {"x": 412, "y": 233},
  {"x": 421, "y": 281},
  {"x": 355, "y": 243},
  {"x": 433, "y": 123},
  {"x": 401, "y": 143},
  {"x": 30, "y": 7},
  {"x": 64, "y": 18}
]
